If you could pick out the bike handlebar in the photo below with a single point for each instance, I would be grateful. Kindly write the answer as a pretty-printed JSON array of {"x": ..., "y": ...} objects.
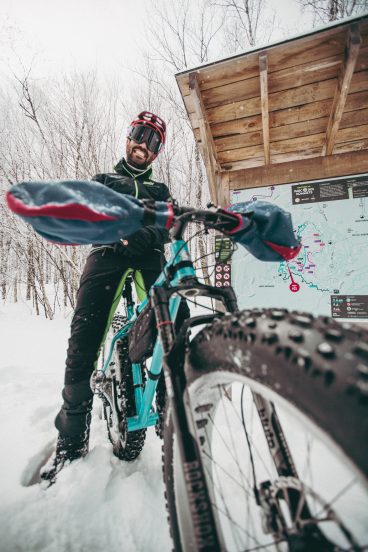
[
  {"x": 219, "y": 218},
  {"x": 263, "y": 228}
]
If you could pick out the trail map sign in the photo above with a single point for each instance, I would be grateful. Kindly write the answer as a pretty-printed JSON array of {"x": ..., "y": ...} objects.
[{"x": 329, "y": 276}]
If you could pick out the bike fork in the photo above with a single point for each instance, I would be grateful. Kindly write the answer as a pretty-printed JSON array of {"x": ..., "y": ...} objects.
[
  {"x": 275, "y": 437},
  {"x": 204, "y": 535}
]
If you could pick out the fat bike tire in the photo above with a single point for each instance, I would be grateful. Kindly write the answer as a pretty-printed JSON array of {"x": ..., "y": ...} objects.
[
  {"x": 161, "y": 396},
  {"x": 126, "y": 445},
  {"x": 314, "y": 371}
]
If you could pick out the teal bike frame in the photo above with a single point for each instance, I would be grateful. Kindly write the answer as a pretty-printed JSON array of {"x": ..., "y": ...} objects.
[{"x": 144, "y": 397}]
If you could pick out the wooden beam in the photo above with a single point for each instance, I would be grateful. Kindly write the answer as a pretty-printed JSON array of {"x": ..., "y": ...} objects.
[
  {"x": 350, "y": 119},
  {"x": 207, "y": 145},
  {"x": 342, "y": 88},
  {"x": 301, "y": 146},
  {"x": 289, "y": 99},
  {"x": 294, "y": 77},
  {"x": 258, "y": 161},
  {"x": 316, "y": 168},
  {"x": 224, "y": 189},
  {"x": 263, "y": 75},
  {"x": 301, "y": 114}
]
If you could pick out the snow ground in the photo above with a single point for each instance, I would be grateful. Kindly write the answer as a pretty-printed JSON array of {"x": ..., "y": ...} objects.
[{"x": 99, "y": 503}]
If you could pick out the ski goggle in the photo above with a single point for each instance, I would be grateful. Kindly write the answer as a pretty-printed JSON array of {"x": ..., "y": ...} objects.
[{"x": 142, "y": 133}]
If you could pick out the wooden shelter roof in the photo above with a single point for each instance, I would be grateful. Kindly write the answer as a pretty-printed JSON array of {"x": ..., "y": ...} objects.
[{"x": 292, "y": 111}]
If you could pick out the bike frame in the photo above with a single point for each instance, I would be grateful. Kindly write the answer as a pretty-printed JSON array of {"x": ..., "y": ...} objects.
[
  {"x": 179, "y": 275},
  {"x": 144, "y": 398},
  {"x": 168, "y": 356}
]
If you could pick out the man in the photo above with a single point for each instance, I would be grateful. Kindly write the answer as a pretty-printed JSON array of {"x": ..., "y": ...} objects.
[{"x": 102, "y": 274}]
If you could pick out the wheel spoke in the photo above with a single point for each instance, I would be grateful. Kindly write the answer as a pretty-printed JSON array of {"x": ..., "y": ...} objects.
[
  {"x": 229, "y": 475},
  {"x": 237, "y": 414},
  {"x": 338, "y": 495}
]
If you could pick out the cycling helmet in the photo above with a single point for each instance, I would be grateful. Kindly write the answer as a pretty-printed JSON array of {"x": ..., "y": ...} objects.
[{"x": 148, "y": 128}]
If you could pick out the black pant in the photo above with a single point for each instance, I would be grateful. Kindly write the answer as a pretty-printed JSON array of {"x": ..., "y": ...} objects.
[{"x": 100, "y": 279}]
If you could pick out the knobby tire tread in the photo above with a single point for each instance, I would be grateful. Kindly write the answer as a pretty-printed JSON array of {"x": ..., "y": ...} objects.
[{"x": 135, "y": 439}]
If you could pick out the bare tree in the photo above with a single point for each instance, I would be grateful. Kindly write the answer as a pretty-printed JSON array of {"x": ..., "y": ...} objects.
[
  {"x": 71, "y": 128},
  {"x": 244, "y": 23},
  {"x": 68, "y": 130},
  {"x": 187, "y": 32},
  {"x": 331, "y": 10}
]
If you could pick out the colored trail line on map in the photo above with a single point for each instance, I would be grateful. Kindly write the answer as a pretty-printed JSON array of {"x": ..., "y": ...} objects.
[
  {"x": 305, "y": 262},
  {"x": 309, "y": 284},
  {"x": 294, "y": 286}
]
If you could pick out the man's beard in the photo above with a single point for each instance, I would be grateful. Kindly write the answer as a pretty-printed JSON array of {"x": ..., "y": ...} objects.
[{"x": 142, "y": 165}]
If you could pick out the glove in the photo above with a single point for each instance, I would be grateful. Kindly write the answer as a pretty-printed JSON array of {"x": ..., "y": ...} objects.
[{"x": 137, "y": 243}]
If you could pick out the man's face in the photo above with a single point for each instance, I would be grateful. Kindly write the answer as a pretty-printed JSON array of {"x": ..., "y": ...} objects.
[{"x": 138, "y": 155}]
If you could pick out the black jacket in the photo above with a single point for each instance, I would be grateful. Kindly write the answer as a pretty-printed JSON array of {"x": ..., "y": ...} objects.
[{"x": 141, "y": 186}]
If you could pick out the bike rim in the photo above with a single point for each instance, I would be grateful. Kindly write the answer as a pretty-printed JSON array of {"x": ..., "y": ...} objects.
[{"x": 336, "y": 495}]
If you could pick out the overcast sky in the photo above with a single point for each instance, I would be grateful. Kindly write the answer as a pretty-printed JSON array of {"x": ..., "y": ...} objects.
[
  {"x": 59, "y": 34},
  {"x": 56, "y": 35}
]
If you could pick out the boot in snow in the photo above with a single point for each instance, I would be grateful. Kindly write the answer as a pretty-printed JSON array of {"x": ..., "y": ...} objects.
[{"x": 67, "y": 450}]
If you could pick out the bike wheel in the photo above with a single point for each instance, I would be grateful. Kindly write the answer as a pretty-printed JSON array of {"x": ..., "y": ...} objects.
[
  {"x": 160, "y": 406},
  {"x": 315, "y": 372},
  {"x": 126, "y": 445}
]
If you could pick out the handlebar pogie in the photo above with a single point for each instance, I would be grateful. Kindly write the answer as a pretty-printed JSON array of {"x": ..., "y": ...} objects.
[{"x": 84, "y": 212}]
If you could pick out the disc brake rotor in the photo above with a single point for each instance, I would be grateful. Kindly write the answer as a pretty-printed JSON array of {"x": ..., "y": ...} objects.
[{"x": 294, "y": 513}]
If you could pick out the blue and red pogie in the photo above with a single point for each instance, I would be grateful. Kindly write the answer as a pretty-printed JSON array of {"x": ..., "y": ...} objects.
[
  {"x": 266, "y": 231},
  {"x": 84, "y": 212}
]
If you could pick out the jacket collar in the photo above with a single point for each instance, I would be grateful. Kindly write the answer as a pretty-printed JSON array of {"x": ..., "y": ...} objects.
[{"x": 122, "y": 167}]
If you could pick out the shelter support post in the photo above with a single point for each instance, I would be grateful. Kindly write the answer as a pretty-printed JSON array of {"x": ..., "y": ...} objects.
[
  {"x": 263, "y": 70},
  {"x": 206, "y": 143},
  {"x": 342, "y": 87}
]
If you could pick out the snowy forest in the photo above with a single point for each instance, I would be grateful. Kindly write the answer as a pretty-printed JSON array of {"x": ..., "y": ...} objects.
[{"x": 73, "y": 126}]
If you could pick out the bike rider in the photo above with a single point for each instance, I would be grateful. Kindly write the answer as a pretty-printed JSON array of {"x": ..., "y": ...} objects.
[{"x": 101, "y": 277}]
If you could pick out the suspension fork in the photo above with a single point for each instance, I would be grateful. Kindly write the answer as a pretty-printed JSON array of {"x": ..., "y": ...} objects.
[
  {"x": 275, "y": 437},
  {"x": 277, "y": 443},
  {"x": 205, "y": 532},
  {"x": 281, "y": 457},
  {"x": 272, "y": 428}
]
